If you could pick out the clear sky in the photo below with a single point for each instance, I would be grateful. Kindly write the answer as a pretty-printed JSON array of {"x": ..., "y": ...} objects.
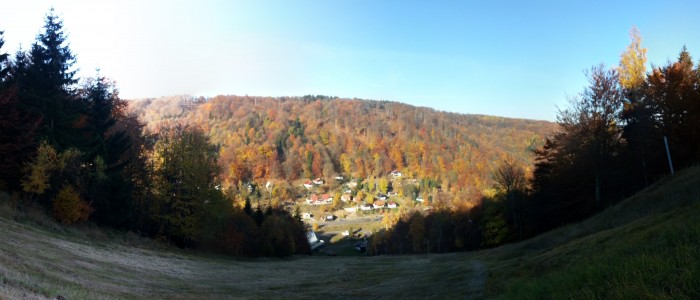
[{"x": 507, "y": 58}]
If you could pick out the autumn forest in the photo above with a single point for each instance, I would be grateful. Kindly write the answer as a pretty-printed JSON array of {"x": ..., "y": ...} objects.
[{"x": 227, "y": 173}]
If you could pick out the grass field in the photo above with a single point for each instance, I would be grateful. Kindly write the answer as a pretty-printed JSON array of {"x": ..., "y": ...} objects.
[{"x": 645, "y": 247}]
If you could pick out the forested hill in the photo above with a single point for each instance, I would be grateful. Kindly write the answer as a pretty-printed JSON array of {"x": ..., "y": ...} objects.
[{"x": 292, "y": 138}]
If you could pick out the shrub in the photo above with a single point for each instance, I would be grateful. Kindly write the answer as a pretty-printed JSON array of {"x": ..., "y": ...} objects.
[{"x": 68, "y": 208}]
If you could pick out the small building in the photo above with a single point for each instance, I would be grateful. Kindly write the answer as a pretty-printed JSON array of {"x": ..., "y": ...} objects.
[
  {"x": 391, "y": 204},
  {"x": 366, "y": 207},
  {"x": 345, "y": 197},
  {"x": 419, "y": 199},
  {"x": 314, "y": 242},
  {"x": 307, "y": 215},
  {"x": 318, "y": 181},
  {"x": 308, "y": 184},
  {"x": 339, "y": 177},
  {"x": 378, "y": 204},
  {"x": 327, "y": 198},
  {"x": 396, "y": 174}
]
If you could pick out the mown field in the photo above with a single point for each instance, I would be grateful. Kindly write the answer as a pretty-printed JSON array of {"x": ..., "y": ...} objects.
[{"x": 645, "y": 247}]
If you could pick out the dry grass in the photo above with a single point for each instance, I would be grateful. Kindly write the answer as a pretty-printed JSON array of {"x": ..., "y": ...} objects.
[
  {"x": 644, "y": 247},
  {"x": 37, "y": 263}
]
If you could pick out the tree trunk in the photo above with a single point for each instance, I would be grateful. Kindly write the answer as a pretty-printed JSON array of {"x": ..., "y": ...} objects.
[{"x": 597, "y": 190}]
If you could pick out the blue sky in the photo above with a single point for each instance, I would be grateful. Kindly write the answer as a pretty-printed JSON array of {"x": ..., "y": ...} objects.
[{"x": 508, "y": 58}]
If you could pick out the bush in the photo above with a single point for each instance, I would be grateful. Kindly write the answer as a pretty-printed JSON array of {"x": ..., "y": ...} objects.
[{"x": 68, "y": 208}]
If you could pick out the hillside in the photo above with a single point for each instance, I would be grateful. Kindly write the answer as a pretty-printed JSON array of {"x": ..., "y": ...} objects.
[
  {"x": 643, "y": 247},
  {"x": 299, "y": 138}
]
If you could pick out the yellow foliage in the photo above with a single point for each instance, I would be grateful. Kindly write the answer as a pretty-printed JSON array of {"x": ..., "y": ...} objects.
[
  {"x": 68, "y": 208},
  {"x": 633, "y": 62},
  {"x": 46, "y": 160}
]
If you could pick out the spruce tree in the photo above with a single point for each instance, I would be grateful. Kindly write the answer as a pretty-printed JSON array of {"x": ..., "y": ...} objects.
[
  {"x": 17, "y": 128},
  {"x": 47, "y": 88},
  {"x": 3, "y": 60}
]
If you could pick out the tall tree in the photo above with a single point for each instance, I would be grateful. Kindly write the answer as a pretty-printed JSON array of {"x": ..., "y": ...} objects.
[
  {"x": 4, "y": 68},
  {"x": 633, "y": 61},
  {"x": 590, "y": 126},
  {"x": 639, "y": 129},
  {"x": 674, "y": 96},
  {"x": 185, "y": 180},
  {"x": 17, "y": 127},
  {"x": 101, "y": 109},
  {"x": 48, "y": 89}
]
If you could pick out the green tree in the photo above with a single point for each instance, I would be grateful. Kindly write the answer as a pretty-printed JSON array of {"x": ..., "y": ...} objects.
[
  {"x": 47, "y": 86},
  {"x": 4, "y": 67},
  {"x": 185, "y": 180},
  {"x": 103, "y": 140}
]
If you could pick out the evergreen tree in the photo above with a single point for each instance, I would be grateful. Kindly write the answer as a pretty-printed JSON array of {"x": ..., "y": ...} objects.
[
  {"x": 17, "y": 127},
  {"x": 4, "y": 68},
  {"x": 47, "y": 84}
]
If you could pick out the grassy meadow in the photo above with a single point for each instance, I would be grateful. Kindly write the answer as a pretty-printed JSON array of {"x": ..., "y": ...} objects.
[{"x": 644, "y": 247}]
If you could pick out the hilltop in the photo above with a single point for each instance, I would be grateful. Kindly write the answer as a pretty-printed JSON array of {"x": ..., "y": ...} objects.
[
  {"x": 645, "y": 246},
  {"x": 300, "y": 138}
]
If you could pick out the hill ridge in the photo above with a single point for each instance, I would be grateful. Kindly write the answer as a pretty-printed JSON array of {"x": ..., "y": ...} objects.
[{"x": 295, "y": 138}]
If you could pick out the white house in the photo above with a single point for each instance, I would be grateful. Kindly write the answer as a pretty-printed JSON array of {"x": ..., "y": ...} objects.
[
  {"x": 396, "y": 174},
  {"x": 318, "y": 181},
  {"x": 308, "y": 184},
  {"x": 378, "y": 204},
  {"x": 419, "y": 199},
  {"x": 391, "y": 204},
  {"x": 366, "y": 207}
]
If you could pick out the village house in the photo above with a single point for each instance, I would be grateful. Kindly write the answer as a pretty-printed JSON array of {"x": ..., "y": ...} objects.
[
  {"x": 378, "y": 204},
  {"x": 318, "y": 181},
  {"x": 366, "y": 207},
  {"x": 396, "y": 174},
  {"x": 326, "y": 198},
  {"x": 308, "y": 184},
  {"x": 391, "y": 204},
  {"x": 312, "y": 199}
]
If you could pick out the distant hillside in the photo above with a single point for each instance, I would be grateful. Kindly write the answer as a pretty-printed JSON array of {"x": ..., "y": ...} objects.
[{"x": 291, "y": 138}]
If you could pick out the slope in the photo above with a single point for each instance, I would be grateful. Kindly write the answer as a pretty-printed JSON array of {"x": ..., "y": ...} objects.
[
  {"x": 295, "y": 138},
  {"x": 644, "y": 247}
]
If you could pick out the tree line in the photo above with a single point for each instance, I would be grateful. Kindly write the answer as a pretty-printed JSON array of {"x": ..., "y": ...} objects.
[
  {"x": 72, "y": 147},
  {"x": 627, "y": 129}
]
